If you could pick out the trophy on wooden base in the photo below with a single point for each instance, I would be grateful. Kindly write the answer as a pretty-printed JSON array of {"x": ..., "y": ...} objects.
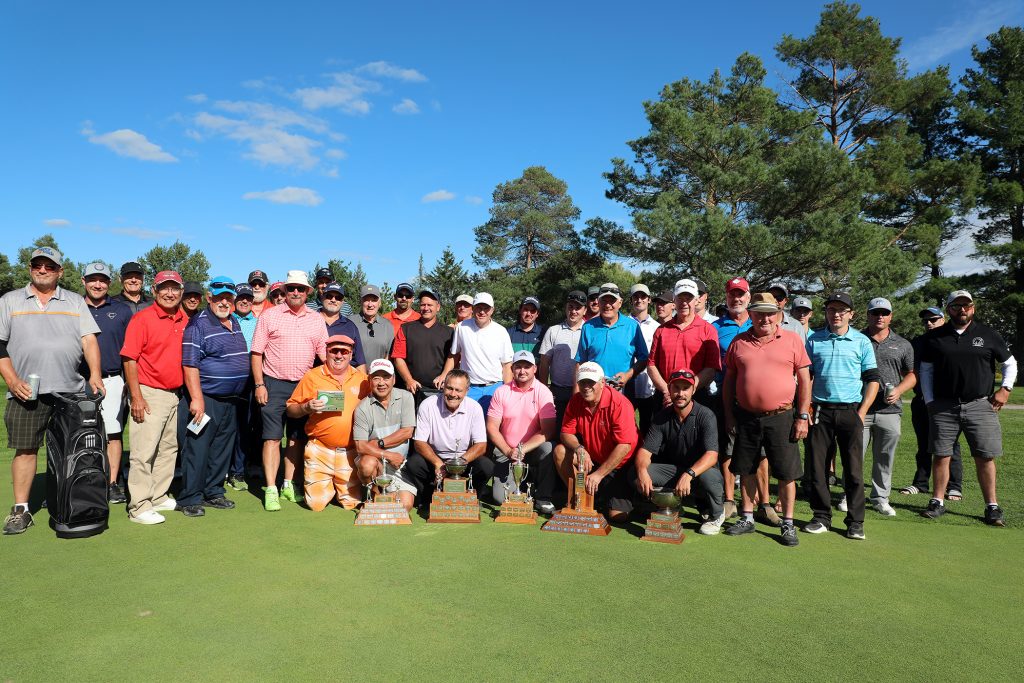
[
  {"x": 579, "y": 516},
  {"x": 664, "y": 526},
  {"x": 383, "y": 509},
  {"x": 455, "y": 501},
  {"x": 518, "y": 506}
]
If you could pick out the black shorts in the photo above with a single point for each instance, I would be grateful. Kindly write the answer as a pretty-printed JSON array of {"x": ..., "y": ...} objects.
[
  {"x": 614, "y": 491},
  {"x": 273, "y": 414},
  {"x": 26, "y": 422},
  {"x": 770, "y": 435}
]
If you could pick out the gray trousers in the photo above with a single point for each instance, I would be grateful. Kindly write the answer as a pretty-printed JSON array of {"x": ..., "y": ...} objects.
[
  {"x": 542, "y": 473},
  {"x": 706, "y": 490},
  {"x": 883, "y": 429}
]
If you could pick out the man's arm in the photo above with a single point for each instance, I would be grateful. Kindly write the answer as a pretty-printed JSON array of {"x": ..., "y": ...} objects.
[
  {"x": 256, "y": 362},
  {"x": 506, "y": 372},
  {"x": 803, "y": 403},
  {"x": 19, "y": 389},
  {"x": 660, "y": 385},
  {"x": 91, "y": 351},
  {"x": 427, "y": 452},
  {"x": 543, "y": 368},
  {"x": 728, "y": 397},
  {"x": 495, "y": 437},
  {"x": 642, "y": 460},
  {"x": 703, "y": 464},
  {"x": 615, "y": 458},
  {"x": 139, "y": 406},
  {"x": 198, "y": 404},
  {"x": 370, "y": 448},
  {"x": 403, "y": 371}
]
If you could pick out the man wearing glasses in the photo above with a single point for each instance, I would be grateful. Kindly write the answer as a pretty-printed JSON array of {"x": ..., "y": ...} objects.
[
  {"x": 843, "y": 389},
  {"x": 132, "y": 294},
  {"x": 50, "y": 343},
  {"x": 403, "y": 312},
  {"x": 288, "y": 340},
  {"x": 258, "y": 284},
  {"x": 324, "y": 277},
  {"x": 376, "y": 335},
  {"x": 331, "y": 300},
  {"x": 958, "y": 363},
  {"x": 786, "y": 322},
  {"x": 613, "y": 341},
  {"x": 421, "y": 348}
]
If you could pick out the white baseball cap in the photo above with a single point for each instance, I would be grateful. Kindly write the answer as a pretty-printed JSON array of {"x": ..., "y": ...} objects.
[
  {"x": 382, "y": 365},
  {"x": 483, "y": 298},
  {"x": 523, "y": 355},
  {"x": 686, "y": 286},
  {"x": 590, "y": 370}
]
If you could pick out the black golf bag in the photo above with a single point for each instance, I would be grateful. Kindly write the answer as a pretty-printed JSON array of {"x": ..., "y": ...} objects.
[{"x": 77, "y": 471}]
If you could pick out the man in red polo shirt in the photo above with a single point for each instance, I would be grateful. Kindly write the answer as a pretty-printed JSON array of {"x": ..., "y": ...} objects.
[
  {"x": 403, "y": 312},
  {"x": 152, "y": 371},
  {"x": 686, "y": 341},
  {"x": 599, "y": 430}
]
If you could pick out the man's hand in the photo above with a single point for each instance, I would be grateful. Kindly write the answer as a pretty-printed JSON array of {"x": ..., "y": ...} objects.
[
  {"x": 730, "y": 424},
  {"x": 439, "y": 471},
  {"x": 394, "y": 459},
  {"x": 999, "y": 399},
  {"x": 261, "y": 395},
  {"x": 800, "y": 429},
  {"x": 592, "y": 482},
  {"x": 439, "y": 382},
  {"x": 581, "y": 460},
  {"x": 140, "y": 409},
  {"x": 683, "y": 485},
  {"x": 316, "y": 405},
  {"x": 666, "y": 397},
  {"x": 863, "y": 415},
  {"x": 413, "y": 387},
  {"x": 96, "y": 384},
  {"x": 892, "y": 397},
  {"x": 197, "y": 407},
  {"x": 643, "y": 482},
  {"x": 20, "y": 389},
  {"x": 619, "y": 380}
]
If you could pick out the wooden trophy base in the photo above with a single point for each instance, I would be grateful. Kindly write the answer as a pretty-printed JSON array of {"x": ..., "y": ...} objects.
[
  {"x": 663, "y": 528},
  {"x": 454, "y": 504},
  {"x": 582, "y": 522},
  {"x": 516, "y": 510},
  {"x": 383, "y": 510}
]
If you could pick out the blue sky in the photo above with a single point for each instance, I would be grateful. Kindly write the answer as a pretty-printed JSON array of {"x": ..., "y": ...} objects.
[{"x": 275, "y": 135}]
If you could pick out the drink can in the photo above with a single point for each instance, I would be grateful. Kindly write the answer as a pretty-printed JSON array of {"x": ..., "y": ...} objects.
[{"x": 33, "y": 383}]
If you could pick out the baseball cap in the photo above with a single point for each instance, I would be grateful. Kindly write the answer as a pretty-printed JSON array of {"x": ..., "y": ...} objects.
[
  {"x": 163, "y": 276},
  {"x": 274, "y": 287},
  {"x": 839, "y": 297},
  {"x": 590, "y": 370},
  {"x": 221, "y": 284},
  {"x": 324, "y": 272},
  {"x": 702, "y": 286},
  {"x": 404, "y": 286},
  {"x": 335, "y": 288},
  {"x": 243, "y": 289},
  {"x": 381, "y": 365},
  {"x": 686, "y": 286},
  {"x": 257, "y": 276},
  {"x": 578, "y": 296},
  {"x": 802, "y": 302},
  {"x": 464, "y": 299},
  {"x": 531, "y": 300},
  {"x": 340, "y": 339},
  {"x": 737, "y": 283},
  {"x": 931, "y": 312},
  {"x": 369, "y": 290},
  {"x": 667, "y": 296},
  {"x": 639, "y": 288},
  {"x": 131, "y": 267},
  {"x": 683, "y": 375},
  {"x": 97, "y": 268},
  {"x": 953, "y": 296},
  {"x": 610, "y": 289},
  {"x": 523, "y": 355},
  {"x": 763, "y": 302},
  {"x": 779, "y": 286},
  {"x": 427, "y": 291},
  {"x": 593, "y": 291},
  {"x": 193, "y": 287},
  {"x": 879, "y": 302},
  {"x": 49, "y": 253},
  {"x": 483, "y": 298}
]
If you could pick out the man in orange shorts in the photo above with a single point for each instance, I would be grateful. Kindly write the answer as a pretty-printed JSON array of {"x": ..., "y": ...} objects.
[{"x": 330, "y": 453}]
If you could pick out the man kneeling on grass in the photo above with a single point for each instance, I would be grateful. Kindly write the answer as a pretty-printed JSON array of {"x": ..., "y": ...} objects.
[{"x": 330, "y": 453}]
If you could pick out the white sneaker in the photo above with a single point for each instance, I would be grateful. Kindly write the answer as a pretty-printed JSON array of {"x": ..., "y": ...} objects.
[
  {"x": 169, "y": 505},
  {"x": 883, "y": 508},
  {"x": 842, "y": 505},
  {"x": 712, "y": 526},
  {"x": 148, "y": 517}
]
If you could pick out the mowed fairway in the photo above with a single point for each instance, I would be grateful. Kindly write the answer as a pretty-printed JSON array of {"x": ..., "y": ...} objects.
[{"x": 293, "y": 595}]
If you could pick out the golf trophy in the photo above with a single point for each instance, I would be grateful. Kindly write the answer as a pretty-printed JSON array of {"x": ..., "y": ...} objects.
[
  {"x": 664, "y": 526},
  {"x": 579, "y": 517},
  {"x": 381, "y": 507},
  {"x": 454, "y": 501},
  {"x": 518, "y": 506}
]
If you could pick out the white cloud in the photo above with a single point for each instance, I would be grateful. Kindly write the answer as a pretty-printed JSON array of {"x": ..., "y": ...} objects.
[
  {"x": 127, "y": 143},
  {"x": 288, "y": 195},
  {"x": 473, "y": 199},
  {"x": 975, "y": 23},
  {"x": 347, "y": 94},
  {"x": 332, "y": 173},
  {"x": 336, "y": 154},
  {"x": 406, "y": 106},
  {"x": 238, "y": 227},
  {"x": 197, "y": 98},
  {"x": 438, "y": 196},
  {"x": 57, "y": 222},
  {"x": 269, "y": 143},
  {"x": 194, "y": 134},
  {"x": 142, "y": 233},
  {"x": 388, "y": 70}
]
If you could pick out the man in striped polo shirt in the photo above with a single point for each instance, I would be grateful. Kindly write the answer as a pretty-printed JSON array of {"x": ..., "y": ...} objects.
[
  {"x": 288, "y": 339},
  {"x": 215, "y": 359},
  {"x": 844, "y": 387}
]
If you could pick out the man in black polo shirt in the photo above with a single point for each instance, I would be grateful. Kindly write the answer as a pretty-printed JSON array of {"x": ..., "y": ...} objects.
[
  {"x": 421, "y": 348},
  {"x": 957, "y": 373},
  {"x": 112, "y": 318},
  {"x": 132, "y": 293},
  {"x": 681, "y": 451}
]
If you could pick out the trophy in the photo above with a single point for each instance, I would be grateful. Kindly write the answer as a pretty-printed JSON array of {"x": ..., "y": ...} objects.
[
  {"x": 455, "y": 500},
  {"x": 664, "y": 526},
  {"x": 579, "y": 516},
  {"x": 382, "y": 508},
  {"x": 518, "y": 507}
]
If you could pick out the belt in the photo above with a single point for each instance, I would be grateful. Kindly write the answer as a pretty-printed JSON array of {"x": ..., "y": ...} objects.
[
  {"x": 111, "y": 374},
  {"x": 769, "y": 413},
  {"x": 837, "y": 406},
  {"x": 489, "y": 384}
]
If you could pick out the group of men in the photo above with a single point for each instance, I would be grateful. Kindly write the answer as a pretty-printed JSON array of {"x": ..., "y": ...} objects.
[{"x": 681, "y": 399}]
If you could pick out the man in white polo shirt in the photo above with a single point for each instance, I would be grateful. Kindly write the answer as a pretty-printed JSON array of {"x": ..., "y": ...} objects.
[{"x": 483, "y": 350}]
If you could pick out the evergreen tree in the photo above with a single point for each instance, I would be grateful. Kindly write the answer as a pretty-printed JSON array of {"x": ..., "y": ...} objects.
[
  {"x": 449, "y": 279},
  {"x": 191, "y": 265},
  {"x": 70, "y": 280}
]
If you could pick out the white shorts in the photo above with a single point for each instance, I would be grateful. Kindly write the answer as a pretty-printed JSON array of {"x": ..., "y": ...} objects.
[{"x": 113, "y": 405}]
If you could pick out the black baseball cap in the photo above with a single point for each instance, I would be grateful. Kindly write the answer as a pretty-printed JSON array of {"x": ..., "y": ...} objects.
[
  {"x": 192, "y": 287},
  {"x": 839, "y": 297},
  {"x": 132, "y": 267},
  {"x": 577, "y": 296},
  {"x": 404, "y": 286},
  {"x": 243, "y": 290},
  {"x": 427, "y": 291},
  {"x": 324, "y": 272},
  {"x": 257, "y": 276},
  {"x": 335, "y": 287},
  {"x": 702, "y": 287}
]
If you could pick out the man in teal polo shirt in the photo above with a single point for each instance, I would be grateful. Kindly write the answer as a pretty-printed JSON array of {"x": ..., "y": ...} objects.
[
  {"x": 844, "y": 388},
  {"x": 613, "y": 341}
]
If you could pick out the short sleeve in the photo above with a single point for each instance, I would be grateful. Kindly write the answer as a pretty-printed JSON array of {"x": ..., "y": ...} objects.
[
  {"x": 506, "y": 351},
  {"x": 408, "y": 409},
  {"x": 547, "y": 344},
  {"x": 655, "y": 437},
  {"x": 457, "y": 339},
  {"x": 800, "y": 357},
  {"x": 398, "y": 348},
  {"x": 477, "y": 427},
  {"x": 134, "y": 338},
  {"x": 422, "y": 432},
  {"x": 639, "y": 346},
  {"x": 496, "y": 410},
  {"x": 867, "y": 355},
  {"x": 571, "y": 416},
  {"x": 260, "y": 336},
  {"x": 581, "y": 350},
  {"x": 362, "y": 422},
  {"x": 547, "y": 402},
  {"x": 191, "y": 345},
  {"x": 712, "y": 353},
  {"x": 623, "y": 421},
  {"x": 87, "y": 324},
  {"x": 305, "y": 390},
  {"x": 709, "y": 431}
]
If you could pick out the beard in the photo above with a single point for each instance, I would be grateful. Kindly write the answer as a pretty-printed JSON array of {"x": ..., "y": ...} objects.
[
  {"x": 259, "y": 298},
  {"x": 221, "y": 315}
]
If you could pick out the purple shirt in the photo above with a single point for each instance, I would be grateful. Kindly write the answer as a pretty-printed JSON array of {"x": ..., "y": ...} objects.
[{"x": 440, "y": 427}]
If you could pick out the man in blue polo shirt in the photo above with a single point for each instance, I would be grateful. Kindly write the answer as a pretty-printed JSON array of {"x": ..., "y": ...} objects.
[
  {"x": 613, "y": 341},
  {"x": 250, "y": 423},
  {"x": 844, "y": 388},
  {"x": 112, "y": 318},
  {"x": 216, "y": 367}
]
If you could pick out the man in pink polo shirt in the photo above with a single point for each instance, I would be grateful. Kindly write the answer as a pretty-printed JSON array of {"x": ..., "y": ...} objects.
[
  {"x": 287, "y": 341},
  {"x": 152, "y": 371},
  {"x": 521, "y": 426}
]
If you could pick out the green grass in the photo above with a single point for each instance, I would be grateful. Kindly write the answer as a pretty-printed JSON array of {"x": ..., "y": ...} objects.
[{"x": 247, "y": 595}]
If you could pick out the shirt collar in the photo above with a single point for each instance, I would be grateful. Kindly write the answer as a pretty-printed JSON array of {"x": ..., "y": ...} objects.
[{"x": 444, "y": 406}]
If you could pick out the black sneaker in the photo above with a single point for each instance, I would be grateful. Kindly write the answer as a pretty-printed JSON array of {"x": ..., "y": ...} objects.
[
  {"x": 17, "y": 522},
  {"x": 994, "y": 516},
  {"x": 115, "y": 495},
  {"x": 855, "y": 530},
  {"x": 544, "y": 507},
  {"x": 220, "y": 503},
  {"x": 788, "y": 537},
  {"x": 744, "y": 526},
  {"x": 936, "y": 509},
  {"x": 815, "y": 527},
  {"x": 192, "y": 510}
]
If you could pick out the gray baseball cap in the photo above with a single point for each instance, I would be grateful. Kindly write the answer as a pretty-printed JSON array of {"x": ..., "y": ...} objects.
[
  {"x": 879, "y": 302},
  {"x": 368, "y": 290},
  {"x": 97, "y": 268},
  {"x": 802, "y": 302}
]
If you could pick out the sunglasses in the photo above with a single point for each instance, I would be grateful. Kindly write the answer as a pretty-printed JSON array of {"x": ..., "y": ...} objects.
[
  {"x": 369, "y": 329},
  {"x": 402, "y": 295},
  {"x": 960, "y": 307},
  {"x": 341, "y": 351},
  {"x": 45, "y": 265},
  {"x": 681, "y": 374},
  {"x": 332, "y": 297},
  {"x": 295, "y": 288},
  {"x": 609, "y": 290},
  {"x": 223, "y": 285},
  {"x": 934, "y": 320}
]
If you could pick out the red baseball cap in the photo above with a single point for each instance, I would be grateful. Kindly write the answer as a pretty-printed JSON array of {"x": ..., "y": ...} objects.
[
  {"x": 737, "y": 283},
  {"x": 683, "y": 375},
  {"x": 167, "y": 276}
]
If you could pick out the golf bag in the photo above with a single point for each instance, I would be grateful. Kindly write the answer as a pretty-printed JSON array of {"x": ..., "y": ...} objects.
[{"x": 77, "y": 471}]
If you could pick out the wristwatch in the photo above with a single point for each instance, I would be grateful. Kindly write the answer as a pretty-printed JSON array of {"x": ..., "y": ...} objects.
[
  {"x": 257, "y": 386},
  {"x": 380, "y": 444},
  {"x": 803, "y": 416},
  {"x": 693, "y": 475}
]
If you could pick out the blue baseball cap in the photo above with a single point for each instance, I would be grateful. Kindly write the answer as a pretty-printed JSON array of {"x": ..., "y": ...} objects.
[
  {"x": 931, "y": 312},
  {"x": 222, "y": 284}
]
